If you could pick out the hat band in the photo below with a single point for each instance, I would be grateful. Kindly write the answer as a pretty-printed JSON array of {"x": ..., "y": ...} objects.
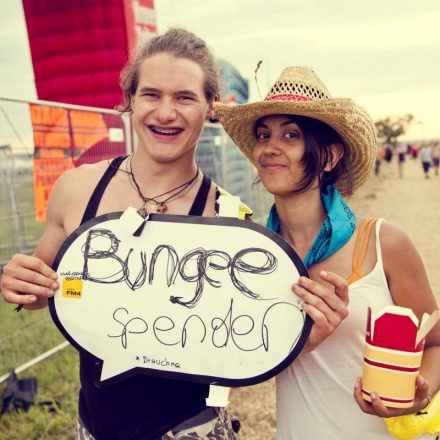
[{"x": 288, "y": 97}]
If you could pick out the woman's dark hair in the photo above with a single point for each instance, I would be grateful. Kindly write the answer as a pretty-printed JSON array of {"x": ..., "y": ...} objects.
[
  {"x": 318, "y": 137},
  {"x": 181, "y": 44}
]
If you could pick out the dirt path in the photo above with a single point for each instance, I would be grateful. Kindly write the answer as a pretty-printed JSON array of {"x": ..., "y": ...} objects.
[{"x": 413, "y": 203}]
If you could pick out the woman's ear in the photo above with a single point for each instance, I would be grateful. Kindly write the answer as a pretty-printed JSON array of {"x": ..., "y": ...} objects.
[{"x": 336, "y": 153}]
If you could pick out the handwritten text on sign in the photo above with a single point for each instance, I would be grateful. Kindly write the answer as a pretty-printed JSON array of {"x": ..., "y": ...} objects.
[{"x": 202, "y": 299}]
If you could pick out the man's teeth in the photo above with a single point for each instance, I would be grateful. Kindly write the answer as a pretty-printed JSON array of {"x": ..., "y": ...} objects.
[{"x": 166, "y": 130}]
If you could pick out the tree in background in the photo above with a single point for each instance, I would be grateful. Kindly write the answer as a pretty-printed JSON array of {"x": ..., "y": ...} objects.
[{"x": 390, "y": 128}]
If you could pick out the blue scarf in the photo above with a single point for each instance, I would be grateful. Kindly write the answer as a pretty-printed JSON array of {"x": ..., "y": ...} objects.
[{"x": 337, "y": 229}]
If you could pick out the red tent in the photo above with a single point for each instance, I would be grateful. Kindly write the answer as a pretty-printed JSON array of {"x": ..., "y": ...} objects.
[{"x": 79, "y": 47}]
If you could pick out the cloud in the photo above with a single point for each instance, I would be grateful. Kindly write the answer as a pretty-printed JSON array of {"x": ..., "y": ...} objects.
[
  {"x": 383, "y": 54},
  {"x": 16, "y": 73}
]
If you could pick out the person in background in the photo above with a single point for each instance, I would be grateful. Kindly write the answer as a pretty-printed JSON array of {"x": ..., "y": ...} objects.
[
  {"x": 414, "y": 151},
  {"x": 426, "y": 159},
  {"x": 388, "y": 153},
  {"x": 435, "y": 156},
  {"x": 401, "y": 154},
  {"x": 379, "y": 158},
  {"x": 312, "y": 150}
]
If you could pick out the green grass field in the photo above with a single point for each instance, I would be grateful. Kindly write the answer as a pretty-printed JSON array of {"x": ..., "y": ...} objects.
[{"x": 23, "y": 336}]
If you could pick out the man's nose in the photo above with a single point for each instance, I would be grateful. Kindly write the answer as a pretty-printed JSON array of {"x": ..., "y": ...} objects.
[{"x": 165, "y": 111}]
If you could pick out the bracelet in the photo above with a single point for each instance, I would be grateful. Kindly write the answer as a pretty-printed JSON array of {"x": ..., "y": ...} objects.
[{"x": 429, "y": 397}]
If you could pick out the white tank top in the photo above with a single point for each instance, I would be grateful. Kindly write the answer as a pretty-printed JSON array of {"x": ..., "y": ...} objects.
[{"x": 315, "y": 393}]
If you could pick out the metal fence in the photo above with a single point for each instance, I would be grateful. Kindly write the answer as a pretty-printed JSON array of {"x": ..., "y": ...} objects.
[
  {"x": 216, "y": 155},
  {"x": 20, "y": 152},
  {"x": 219, "y": 158}
]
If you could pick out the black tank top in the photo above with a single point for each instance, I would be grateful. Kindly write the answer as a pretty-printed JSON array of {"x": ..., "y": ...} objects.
[{"x": 141, "y": 407}]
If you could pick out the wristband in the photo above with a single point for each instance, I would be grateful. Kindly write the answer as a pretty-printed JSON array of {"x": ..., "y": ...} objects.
[{"x": 429, "y": 398}]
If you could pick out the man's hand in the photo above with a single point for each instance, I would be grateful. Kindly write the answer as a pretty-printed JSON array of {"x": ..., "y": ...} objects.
[{"x": 28, "y": 280}]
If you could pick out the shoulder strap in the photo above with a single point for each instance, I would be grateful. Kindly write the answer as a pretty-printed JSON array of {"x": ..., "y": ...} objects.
[
  {"x": 95, "y": 199},
  {"x": 360, "y": 249},
  {"x": 199, "y": 203},
  {"x": 378, "y": 246}
]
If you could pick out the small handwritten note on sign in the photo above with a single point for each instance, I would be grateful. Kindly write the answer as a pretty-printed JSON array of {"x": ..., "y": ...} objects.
[{"x": 201, "y": 299}]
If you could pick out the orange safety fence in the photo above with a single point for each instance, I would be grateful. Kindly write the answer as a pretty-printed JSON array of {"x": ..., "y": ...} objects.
[{"x": 65, "y": 138}]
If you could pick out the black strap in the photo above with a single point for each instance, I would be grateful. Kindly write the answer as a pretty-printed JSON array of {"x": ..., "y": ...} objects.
[
  {"x": 95, "y": 199},
  {"x": 199, "y": 203},
  {"x": 197, "y": 207}
]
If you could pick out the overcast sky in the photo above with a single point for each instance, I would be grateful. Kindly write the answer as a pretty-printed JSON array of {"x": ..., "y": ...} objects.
[{"x": 382, "y": 53}]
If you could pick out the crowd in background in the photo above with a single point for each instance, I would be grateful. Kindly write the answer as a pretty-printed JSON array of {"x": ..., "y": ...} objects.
[{"x": 427, "y": 152}]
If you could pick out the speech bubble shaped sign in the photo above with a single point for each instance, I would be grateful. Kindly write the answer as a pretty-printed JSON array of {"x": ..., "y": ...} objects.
[{"x": 201, "y": 299}]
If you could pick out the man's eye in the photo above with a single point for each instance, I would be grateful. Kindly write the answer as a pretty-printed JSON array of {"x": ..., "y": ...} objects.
[
  {"x": 150, "y": 95},
  {"x": 185, "y": 98}
]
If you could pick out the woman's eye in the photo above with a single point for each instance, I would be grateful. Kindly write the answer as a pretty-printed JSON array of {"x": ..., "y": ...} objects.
[
  {"x": 262, "y": 135},
  {"x": 291, "y": 135}
]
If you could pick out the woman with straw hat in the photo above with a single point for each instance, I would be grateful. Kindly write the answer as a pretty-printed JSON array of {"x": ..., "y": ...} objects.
[{"x": 310, "y": 150}]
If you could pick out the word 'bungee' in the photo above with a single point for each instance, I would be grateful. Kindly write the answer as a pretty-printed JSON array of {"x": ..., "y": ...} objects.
[{"x": 103, "y": 244}]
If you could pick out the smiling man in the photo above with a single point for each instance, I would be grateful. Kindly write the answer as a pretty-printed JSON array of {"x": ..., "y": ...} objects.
[{"x": 169, "y": 90}]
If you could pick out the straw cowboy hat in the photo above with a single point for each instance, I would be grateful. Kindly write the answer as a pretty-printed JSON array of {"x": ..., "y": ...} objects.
[{"x": 298, "y": 91}]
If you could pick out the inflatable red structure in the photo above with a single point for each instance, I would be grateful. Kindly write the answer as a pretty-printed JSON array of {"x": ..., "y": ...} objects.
[{"x": 79, "y": 47}]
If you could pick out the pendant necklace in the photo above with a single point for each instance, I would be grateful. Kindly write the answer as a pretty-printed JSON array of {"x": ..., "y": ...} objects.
[{"x": 151, "y": 204}]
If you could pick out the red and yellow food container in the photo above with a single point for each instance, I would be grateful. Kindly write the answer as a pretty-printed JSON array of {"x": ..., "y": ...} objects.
[{"x": 392, "y": 357}]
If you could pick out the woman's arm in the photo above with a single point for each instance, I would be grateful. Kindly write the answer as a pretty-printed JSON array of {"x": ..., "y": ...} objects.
[{"x": 409, "y": 287}]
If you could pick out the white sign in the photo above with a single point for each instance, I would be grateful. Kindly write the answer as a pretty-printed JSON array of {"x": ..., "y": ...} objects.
[
  {"x": 201, "y": 299},
  {"x": 116, "y": 134}
]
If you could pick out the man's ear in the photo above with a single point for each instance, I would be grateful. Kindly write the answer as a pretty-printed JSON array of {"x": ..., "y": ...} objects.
[
  {"x": 336, "y": 153},
  {"x": 210, "y": 114}
]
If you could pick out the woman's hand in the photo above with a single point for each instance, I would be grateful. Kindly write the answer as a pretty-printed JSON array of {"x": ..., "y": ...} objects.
[
  {"x": 326, "y": 306},
  {"x": 378, "y": 408},
  {"x": 28, "y": 280}
]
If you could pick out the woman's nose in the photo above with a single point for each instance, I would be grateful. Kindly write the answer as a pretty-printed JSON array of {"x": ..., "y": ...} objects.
[{"x": 271, "y": 147}]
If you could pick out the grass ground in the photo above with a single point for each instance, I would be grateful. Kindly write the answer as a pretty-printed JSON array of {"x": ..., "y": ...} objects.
[{"x": 23, "y": 336}]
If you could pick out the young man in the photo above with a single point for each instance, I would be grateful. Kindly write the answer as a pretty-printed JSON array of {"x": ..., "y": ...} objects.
[{"x": 169, "y": 91}]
